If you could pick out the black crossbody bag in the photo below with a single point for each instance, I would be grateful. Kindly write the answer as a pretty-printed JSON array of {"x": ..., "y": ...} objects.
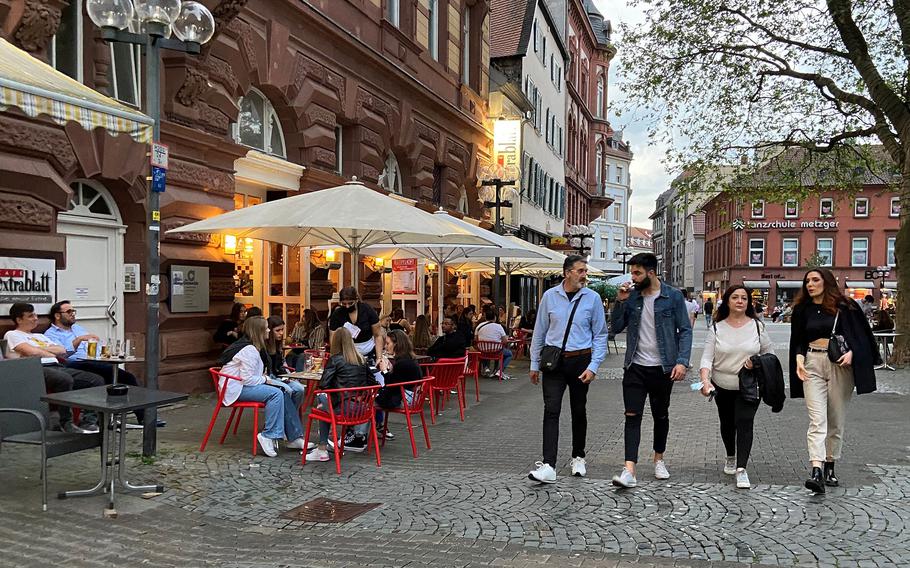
[{"x": 550, "y": 355}]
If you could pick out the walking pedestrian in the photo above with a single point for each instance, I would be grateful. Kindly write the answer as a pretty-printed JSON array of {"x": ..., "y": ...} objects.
[
  {"x": 824, "y": 374},
  {"x": 709, "y": 312},
  {"x": 659, "y": 343},
  {"x": 569, "y": 343},
  {"x": 733, "y": 339}
]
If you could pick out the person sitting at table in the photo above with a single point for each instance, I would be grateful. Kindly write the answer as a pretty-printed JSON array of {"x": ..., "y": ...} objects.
[
  {"x": 346, "y": 368},
  {"x": 228, "y": 331},
  {"x": 248, "y": 359},
  {"x": 398, "y": 321},
  {"x": 491, "y": 331},
  {"x": 882, "y": 321},
  {"x": 527, "y": 321},
  {"x": 450, "y": 344},
  {"x": 274, "y": 347},
  {"x": 22, "y": 342},
  {"x": 404, "y": 369},
  {"x": 422, "y": 336},
  {"x": 310, "y": 331},
  {"x": 465, "y": 324}
]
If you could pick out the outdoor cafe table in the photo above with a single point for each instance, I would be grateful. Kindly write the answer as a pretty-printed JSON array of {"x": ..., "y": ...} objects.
[
  {"x": 115, "y": 362},
  {"x": 311, "y": 380},
  {"x": 883, "y": 336},
  {"x": 97, "y": 399}
]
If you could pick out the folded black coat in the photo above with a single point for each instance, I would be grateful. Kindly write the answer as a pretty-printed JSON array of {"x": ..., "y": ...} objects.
[{"x": 765, "y": 379}]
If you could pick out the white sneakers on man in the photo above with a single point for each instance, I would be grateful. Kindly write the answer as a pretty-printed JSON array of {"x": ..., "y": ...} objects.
[
  {"x": 730, "y": 465},
  {"x": 660, "y": 470},
  {"x": 579, "y": 468},
  {"x": 267, "y": 445},
  {"x": 625, "y": 479},
  {"x": 543, "y": 474}
]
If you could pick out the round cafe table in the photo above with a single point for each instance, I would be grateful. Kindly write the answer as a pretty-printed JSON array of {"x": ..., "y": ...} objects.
[
  {"x": 884, "y": 336},
  {"x": 311, "y": 382},
  {"x": 115, "y": 362}
]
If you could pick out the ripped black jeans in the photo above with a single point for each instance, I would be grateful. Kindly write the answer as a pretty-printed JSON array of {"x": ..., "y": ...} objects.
[{"x": 638, "y": 383}]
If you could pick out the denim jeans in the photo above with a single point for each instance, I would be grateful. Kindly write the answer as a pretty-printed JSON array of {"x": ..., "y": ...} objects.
[
  {"x": 281, "y": 416},
  {"x": 506, "y": 358},
  {"x": 359, "y": 430},
  {"x": 640, "y": 383},
  {"x": 293, "y": 389}
]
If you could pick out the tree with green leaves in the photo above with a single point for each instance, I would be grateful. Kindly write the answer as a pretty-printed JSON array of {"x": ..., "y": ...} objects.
[
  {"x": 826, "y": 82},
  {"x": 816, "y": 260}
]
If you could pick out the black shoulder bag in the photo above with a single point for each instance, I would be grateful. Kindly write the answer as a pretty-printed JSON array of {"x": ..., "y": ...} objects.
[
  {"x": 550, "y": 355},
  {"x": 837, "y": 344}
]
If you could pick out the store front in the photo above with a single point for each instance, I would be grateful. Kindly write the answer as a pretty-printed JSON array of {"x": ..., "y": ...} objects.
[
  {"x": 786, "y": 291},
  {"x": 760, "y": 290},
  {"x": 859, "y": 289}
]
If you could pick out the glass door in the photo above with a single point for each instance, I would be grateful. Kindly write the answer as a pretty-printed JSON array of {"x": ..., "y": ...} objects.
[{"x": 285, "y": 283}]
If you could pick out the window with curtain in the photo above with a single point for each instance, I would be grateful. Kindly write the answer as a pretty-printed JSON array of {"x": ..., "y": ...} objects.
[{"x": 258, "y": 125}]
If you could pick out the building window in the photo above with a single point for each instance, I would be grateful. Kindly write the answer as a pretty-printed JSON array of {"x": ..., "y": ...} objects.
[
  {"x": 603, "y": 247},
  {"x": 599, "y": 166},
  {"x": 756, "y": 252},
  {"x": 860, "y": 252},
  {"x": 393, "y": 12},
  {"x": 826, "y": 207},
  {"x": 546, "y": 132},
  {"x": 895, "y": 207},
  {"x": 433, "y": 38},
  {"x": 466, "y": 47},
  {"x": 543, "y": 48},
  {"x": 825, "y": 249},
  {"x": 758, "y": 209},
  {"x": 791, "y": 209},
  {"x": 123, "y": 72},
  {"x": 890, "y": 259},
  {"x": 619, "y": 173},
  {"x": 601, "y": 91},
  {"x": 258, "y": 125},
  {"x": 338, "y": 149},
  {"x": 617, "y": 212},
  {"x": 88, "y": 201},
  {"x": 390, "y": 178},
  {"x": 861, "y": 207},
  {"x": 65, "y": 51},
  {"x": 790, "y": 256},
  {"x": 536, "y": 37}
]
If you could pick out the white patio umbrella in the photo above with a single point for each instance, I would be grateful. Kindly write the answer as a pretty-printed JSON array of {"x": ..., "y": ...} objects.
[{"x": 350, "y": 216}]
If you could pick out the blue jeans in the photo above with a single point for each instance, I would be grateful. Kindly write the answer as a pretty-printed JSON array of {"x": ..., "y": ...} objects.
[
  {"x": 506, "y": 358},
  {"x": 281, "y": 416},
  {"x": 324, "y": 427},
  {"x": 294, "y": 389}
]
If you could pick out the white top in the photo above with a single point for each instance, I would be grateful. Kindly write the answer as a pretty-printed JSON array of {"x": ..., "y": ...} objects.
[
  {"x": 490, "y": 331},
  {"x": 647, "y": 352},
  {"x": 15, "y": 337},
  {"x": 246, "y": 365},
  {"x": 691, "y": 306},
  {"x": 727, "y": 350}
]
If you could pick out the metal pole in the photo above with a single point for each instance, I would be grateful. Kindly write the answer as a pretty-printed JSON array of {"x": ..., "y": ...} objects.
[
  {"x": 498, "y": 230},
  {"x": 153, "y": 108}
]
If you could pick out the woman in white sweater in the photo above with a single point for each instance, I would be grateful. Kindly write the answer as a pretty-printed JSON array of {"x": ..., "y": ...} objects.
[{"x": 735, "y": 336}]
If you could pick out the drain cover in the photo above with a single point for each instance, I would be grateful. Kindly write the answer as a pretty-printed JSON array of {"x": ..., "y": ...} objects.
[{"x": 323, "y": 510}]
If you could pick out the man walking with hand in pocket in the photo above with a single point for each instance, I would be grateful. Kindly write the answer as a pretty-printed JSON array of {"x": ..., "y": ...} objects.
[{"x": 570, "y": 342}]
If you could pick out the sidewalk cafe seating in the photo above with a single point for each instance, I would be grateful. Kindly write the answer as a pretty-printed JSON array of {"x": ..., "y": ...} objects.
[
  {"x": 472, "y": 370},
  {"x": 221, "y": 389},
  {"x": 491, "y": 351},
  {"x": 24, "y": 417},
  {"x": 355, "y": 406},
  {"x": 410, "y": 408},
  {"x": 448, "y": 375}
]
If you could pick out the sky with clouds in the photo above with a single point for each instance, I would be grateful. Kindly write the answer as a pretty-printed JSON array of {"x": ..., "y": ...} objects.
[{"x": 649, "y": 177}]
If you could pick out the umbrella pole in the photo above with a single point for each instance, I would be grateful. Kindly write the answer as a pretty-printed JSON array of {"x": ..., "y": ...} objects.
[
  {"x": 508, "y": 274},
  {"x": 355, "y": 268},
  {"x": 440, "y": 279}
]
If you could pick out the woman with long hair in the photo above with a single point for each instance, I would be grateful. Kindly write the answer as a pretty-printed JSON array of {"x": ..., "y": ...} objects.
[
  {"x": 733, "y": 339},
  {"x": 310, "y": 330},
  {"x": 422, "y": 336},
  {"x": 229, "y": 330},
  {"x": 819, "y": 312},
  {"x": 248, "y": 359},
  {"x": 274, "y": 347},
  {"x": 404, "y": 369}
]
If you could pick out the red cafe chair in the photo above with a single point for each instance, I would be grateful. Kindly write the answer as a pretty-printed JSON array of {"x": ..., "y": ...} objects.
[
  {"x": 221, "y": 382},
  {"x": 355, "y": 406},
  {"x": 408, "y": 409},
  {"x": 447, "y": 375},
  {"x": 491, "y": 351}
]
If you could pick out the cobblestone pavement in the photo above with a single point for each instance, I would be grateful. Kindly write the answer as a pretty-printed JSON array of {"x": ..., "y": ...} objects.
[{"x": 467, "y": 501}]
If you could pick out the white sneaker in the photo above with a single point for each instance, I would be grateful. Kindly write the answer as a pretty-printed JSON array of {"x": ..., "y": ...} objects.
[
  {"x": 310, "y": 446},
  {"x": 660, "y": 470},
  {"x": 267, "y": 445},
  {"x": 625, "y": 479},
  {"x": 544, "y": 473},
  {"x": 297, "y": 444},
  {"x": 318, "y": 455},
  {"x": 742, "y": 479},
  {"x": 730, "y": 465},
  {"x": 578, "y": 467}
]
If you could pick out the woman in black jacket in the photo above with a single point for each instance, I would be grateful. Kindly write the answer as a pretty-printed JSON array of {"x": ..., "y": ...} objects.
[
  {"x": 820, "y": 310},
  {"x": 404, "y": 369}
]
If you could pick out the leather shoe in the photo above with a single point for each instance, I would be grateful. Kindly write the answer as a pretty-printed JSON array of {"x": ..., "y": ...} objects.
[{"x": 815, "y": 482}]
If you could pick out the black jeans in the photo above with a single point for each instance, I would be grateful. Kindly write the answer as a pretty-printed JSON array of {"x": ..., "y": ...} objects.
[
  {"x": 638, "y": 383},
  {"x": 554, "y": 387},
  {"x": 106, "y": 371},
  {"x": 736, "y": 420},
  {"x": 58, "y": 378}
]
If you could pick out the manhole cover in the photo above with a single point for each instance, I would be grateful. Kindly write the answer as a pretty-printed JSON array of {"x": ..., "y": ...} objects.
[{"x": 328, "y": 511}]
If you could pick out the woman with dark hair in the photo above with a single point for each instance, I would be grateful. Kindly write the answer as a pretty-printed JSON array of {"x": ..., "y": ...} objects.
[
  {"x": 229, "y": 330},
  {"x": 310, "y": 330},
  {"x": 274, "y": 349},
  {"x": 398, "y": 321},
  {"x": 465, "y": 324},
  {"x": 733, "y": 339},
  {"x": 404, "y": 369},
  {"x": 423, "y": 339},
  {"x": 361, "y": 321},
  {"x": 820, "y": 311}
]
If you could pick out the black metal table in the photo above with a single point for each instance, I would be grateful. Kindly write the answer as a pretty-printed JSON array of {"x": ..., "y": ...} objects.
[{"x": 97, "y": 399}]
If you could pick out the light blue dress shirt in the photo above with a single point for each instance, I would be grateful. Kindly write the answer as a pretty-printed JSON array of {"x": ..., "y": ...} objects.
[
  {"x": 67, "y": 338},
  {"x": 589, "y": 326}
]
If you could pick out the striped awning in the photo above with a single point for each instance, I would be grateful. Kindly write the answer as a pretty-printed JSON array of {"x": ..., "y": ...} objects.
[{"x": 38, "y": 89}]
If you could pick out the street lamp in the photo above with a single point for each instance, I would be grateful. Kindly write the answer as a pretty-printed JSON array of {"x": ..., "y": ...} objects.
[
  {"x": 492, "y": 179},
  {"x": 581, "y": 238},
  {"x": 623, "y": 252},
  {"x": 150, "y": 24}
]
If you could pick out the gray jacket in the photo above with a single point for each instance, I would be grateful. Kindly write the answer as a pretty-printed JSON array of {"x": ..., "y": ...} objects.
[{"x": 674, "y": 332}]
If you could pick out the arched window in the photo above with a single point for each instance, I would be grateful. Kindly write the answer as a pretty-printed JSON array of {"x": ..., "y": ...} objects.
[
  {"x": 599, "y": 164},
  {"x": 390, "y": 178},
  {"x": 89, "y": 201},
  {"x": 601, "y": 93},
  {"x": 258, "y": 125}
]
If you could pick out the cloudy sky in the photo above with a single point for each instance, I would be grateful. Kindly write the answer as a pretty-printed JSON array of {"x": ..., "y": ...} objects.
[{"x": 649, "y": 178}]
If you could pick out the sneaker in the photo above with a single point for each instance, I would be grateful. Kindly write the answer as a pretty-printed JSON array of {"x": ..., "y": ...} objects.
[
  {"x": 317, "y": 455},
  {"x": 356, "y": 445},
  {"x": 625, "y": 479},
  {"x": 71, "y": 428},
  {"x": 742, "y": 479},
  {"x": 543, "y": 474},
  {"x": 389, "y": 435},
  {"x": 660, "y": 470},
  {"x": 310, "y": 446},
  {"x": 90, "y": 428},
  {"x": 267, "y": 445},
  {"x": 297, "y": 444},
  {"x": 578, "y": 467},
  {"x": 506, "y": 377},
  {"x": 348, "y": 438},
  {"x": 730, "y": 465}
]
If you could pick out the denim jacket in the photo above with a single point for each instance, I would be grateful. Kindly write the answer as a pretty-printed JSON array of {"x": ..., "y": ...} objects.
[{"x": 674, "y": 332}]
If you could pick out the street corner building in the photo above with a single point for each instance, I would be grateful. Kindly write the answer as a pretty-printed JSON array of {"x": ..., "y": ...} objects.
[{"x": 289, "y": 96}]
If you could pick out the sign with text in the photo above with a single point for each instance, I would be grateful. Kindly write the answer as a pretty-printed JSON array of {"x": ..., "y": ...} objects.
[
  {"x": 159, "y": 179},
  {"x": 189, "y": 288},
  {"x": 29, "y": 280},
  {"x": 159, "y": 155},
  {"x": 404, "y": 276},
  {"x": 507, "y": 144}
]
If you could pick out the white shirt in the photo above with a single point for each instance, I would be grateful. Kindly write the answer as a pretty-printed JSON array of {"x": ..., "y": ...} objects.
[
  {"x": 648, "y": 353},
  {"x": 15, "y": 337},
  {"x": 691, "y": 306},
  {"x": 727, "y": 350},
  {"x": 246, "y": 365},
  {"x": 490, "y": 331}
]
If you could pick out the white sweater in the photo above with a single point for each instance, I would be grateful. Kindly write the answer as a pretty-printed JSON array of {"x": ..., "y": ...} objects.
[
  {"x": 727, "y": 350},
  {"x": 246, "y": 365}
]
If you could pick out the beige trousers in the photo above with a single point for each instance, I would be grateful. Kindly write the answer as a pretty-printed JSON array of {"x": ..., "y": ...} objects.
[{"x": 828, "y": 390}]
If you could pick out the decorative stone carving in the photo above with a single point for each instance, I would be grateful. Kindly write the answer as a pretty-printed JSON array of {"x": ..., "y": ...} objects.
[
  {"x": 17, "y": 211},
  {"x": 213, "y": 119},
  {"x": 39, "y": 23},
  {"x": 226, "y": 11},
  {"x": 202, "y": 177},
  {"x": 221, "y": 71},
  {"x": 170, "y": 224},
  {"x": 37, "y": 138},
  {"x": 315, "y": 114},
  {"x": 426, "y": 132},
  {"x": 194, "y": 86}
]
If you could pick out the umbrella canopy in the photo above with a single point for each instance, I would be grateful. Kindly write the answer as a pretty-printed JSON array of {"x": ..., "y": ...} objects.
[{"x": 545, "y": 259}]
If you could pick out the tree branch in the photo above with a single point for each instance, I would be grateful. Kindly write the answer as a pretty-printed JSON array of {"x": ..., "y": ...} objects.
[
  {"x": 902, "y": 14},
  {"x": 781, "y": 39}
]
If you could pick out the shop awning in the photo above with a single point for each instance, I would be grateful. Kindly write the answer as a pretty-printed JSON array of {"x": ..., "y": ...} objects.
[
  {"x": 36, "y": 88},
  {"x": 890, "y": 285},
  {"x": 757, "y": 284},
  {"x": 789, "y": 283},
  {"x": 859, "y": 284}
]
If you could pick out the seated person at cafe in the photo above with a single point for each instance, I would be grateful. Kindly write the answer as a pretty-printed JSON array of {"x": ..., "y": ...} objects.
[
  {"x": 22, "y": 342},
  {"x": 398, "y": 321},
  {"x": 74, "y": 338},
  {"x": 274, "y": 346},
  {"x": 404, "y": 369},
  {"x": 229, "y": 330},
  {"x": 450, "y": 344},
  {"x": 491, "y": 331}
]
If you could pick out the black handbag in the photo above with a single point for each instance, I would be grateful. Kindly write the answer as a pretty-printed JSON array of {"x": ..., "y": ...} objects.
[
  {"x": 837, "y": 344},
  {"x": 550, "y": 355}
]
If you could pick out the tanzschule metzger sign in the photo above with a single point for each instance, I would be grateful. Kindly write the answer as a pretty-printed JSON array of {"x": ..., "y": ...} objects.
[
  {"x": 29, "y": 280},
  {"x": 817, "y": 224}
]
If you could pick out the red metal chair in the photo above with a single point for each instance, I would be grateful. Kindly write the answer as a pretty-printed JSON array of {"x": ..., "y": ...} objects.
[
  {"x": 356, "y": 406},
  {"x": 220, "y": 389},
  {"x": 491, "y": 351},
  {"x": 414, "y": 407},
  {"x": 447, "y": 375},
  {"x": 520, "y": 342},
  {"x": 472, "y": 369}
]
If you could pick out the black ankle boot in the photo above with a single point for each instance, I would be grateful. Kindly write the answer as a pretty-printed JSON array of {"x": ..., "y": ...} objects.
[
  {"x": 830, "y": 478},
  {"x": 816, "y": 483}
]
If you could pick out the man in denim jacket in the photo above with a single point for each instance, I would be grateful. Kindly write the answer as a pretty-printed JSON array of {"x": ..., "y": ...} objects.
[{"x": 658, "y": 345}]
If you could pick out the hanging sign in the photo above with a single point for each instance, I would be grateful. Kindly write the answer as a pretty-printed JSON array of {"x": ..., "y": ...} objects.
[
  {"x": 159, "y": 178},
  {"x": 29, "y": 280},
  {"x": 159, "y": 155},
  {"x": 404, "y": 276}
]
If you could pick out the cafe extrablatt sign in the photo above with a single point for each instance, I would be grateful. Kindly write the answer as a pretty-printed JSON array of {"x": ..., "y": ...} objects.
[{"x": 29, "y": 280}]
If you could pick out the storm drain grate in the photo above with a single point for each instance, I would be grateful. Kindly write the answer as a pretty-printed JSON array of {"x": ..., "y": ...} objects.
[{"x": 323, "y": 510}]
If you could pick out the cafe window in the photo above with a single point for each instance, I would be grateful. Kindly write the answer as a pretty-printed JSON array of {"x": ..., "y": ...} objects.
[
  {"x": 826, "y": 207},
  {"x": 891, "y": 243},
  {"x": 861, "y": 207},
  {"x": 758, "y": 209},
  {"x": 790, "y": 255},
  {"x": 860, "y": 252},
  {"x": 895, "y": 207},
  {"x": 791, "y": 209},
  {"x": 756, "y": 252},
  {"x": 825, "y": 249},
  {"x": 258, "y": 126}
]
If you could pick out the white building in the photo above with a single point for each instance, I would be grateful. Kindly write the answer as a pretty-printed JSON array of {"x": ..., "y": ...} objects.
[{"x": 611, "y": 229}]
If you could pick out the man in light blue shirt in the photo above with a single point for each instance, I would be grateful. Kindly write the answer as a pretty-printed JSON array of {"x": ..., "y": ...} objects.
[{"x": 583, "y": 349}]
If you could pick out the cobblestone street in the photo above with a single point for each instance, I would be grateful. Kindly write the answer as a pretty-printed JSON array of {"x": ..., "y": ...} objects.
[{"x": 467, "y": 501}]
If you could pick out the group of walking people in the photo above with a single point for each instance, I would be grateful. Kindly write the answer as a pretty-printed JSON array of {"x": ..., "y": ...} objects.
[{"x": 832, "y": 352}]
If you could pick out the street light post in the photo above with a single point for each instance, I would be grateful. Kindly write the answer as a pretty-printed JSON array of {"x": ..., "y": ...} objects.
[
  {"x": 497, "y": 203},
  {"x": 580, "y": 238},
  {"x": 151, "y": 23},
  {"x": 623, "y": 252}
]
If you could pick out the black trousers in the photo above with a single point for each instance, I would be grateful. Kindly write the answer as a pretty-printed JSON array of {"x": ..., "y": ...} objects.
[
  {"x": 554, "y": 387},
  {"x": 106, "y": 371},
  {"x": 640, "y": 383},
  {"x": 58, "y": 378},
  {"x": 736, "y": 420}
]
